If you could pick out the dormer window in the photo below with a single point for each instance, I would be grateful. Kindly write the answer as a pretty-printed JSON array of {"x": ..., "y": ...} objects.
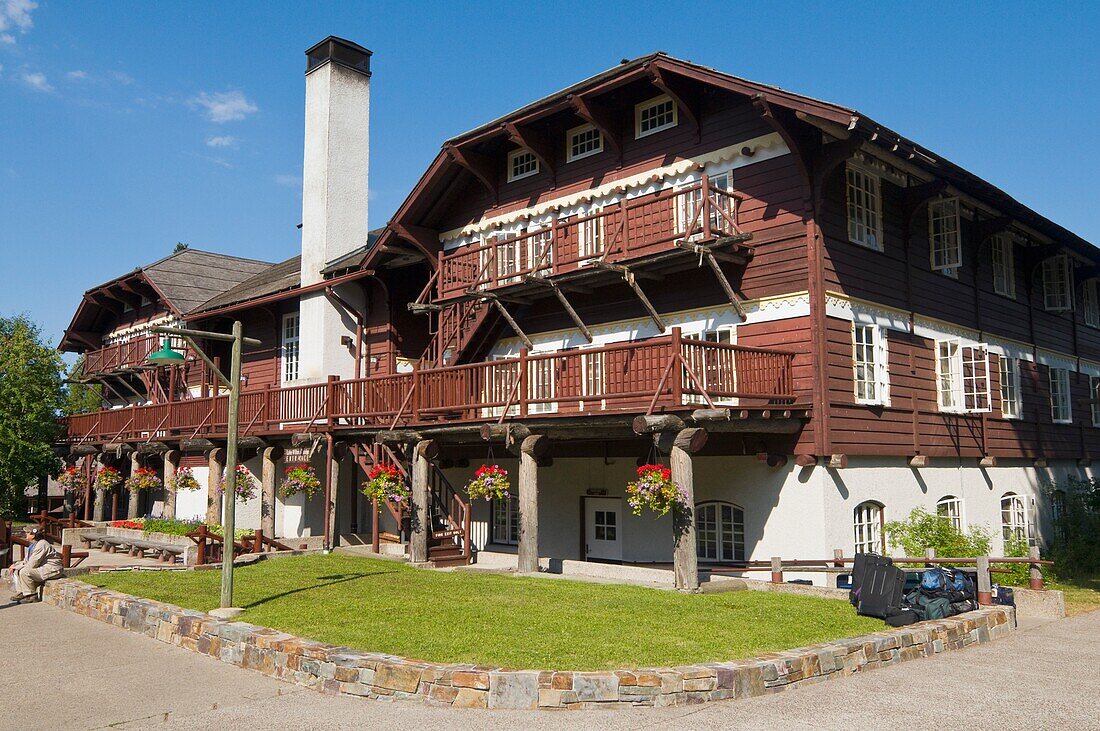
[
  {"x": 1057, "y": 290},
  {"x": 945, "y": 241},
  {"x": 654, "y": 116},
  {"x": 584, "y": 141},
  {"x": 522, "y": 163},
  {"x": 864, "y": 208}
]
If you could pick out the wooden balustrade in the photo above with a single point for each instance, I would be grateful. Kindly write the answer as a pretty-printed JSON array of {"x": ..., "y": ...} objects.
[{"x": 128, "y": 354}]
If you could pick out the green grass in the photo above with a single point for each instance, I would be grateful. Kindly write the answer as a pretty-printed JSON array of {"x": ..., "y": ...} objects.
[
  {"x": 1081, "y": 595},
  {"x": 502, "y": 620}
]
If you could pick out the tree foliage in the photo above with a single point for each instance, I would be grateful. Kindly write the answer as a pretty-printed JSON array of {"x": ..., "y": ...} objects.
[
  {"x": 81, "y": 398},
  {"x": 1075, "y": 545},
  {"x": 30, "y": 399},
  {"x": 923, "y": 530}
]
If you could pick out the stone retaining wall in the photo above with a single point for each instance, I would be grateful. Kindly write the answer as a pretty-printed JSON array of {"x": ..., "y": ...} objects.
[{"x": 332, "y": 669}]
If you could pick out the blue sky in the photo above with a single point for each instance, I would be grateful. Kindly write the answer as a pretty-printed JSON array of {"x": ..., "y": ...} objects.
[{"x": 126, "y": 127}]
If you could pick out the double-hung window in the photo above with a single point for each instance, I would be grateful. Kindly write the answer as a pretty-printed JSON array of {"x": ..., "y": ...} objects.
[
  {"x": 1061, "y": 407},
  {"x": 1094, "y": 402},
  {"x": 962, "y": 377},
  {"x": 864, "y": 208},
  {"x": 1057, "y": 284},
  {"x": 522, "y": 163},
  {"x": 654, "y": 115},
  {"x": 1090, "y": 303},
  {"x": 1004, "y": 266},
  {"x": 1011, "y": 406},
  {"x": 869, "y": 363},
  {"x": 583, "y": 141},
  {"x": 290, "y": 338},
  {"x": 944, "y": 236}
]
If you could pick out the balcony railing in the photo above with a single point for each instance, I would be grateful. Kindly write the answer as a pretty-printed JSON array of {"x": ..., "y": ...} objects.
[
  {"x": 666, "y": 373},
  {"x": 120, "y": 356},
  {"x": 631, "y": 228}
]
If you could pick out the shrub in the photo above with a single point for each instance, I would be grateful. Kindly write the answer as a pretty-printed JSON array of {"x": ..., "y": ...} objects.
[
  {"x": 1075, "y": 544},
  {"x": 171, "y": 527},
  {"x": 1018, "y": 546},
  {"x": 923, "y": 530}
]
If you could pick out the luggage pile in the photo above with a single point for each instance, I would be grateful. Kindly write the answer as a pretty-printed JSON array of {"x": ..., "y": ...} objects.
[{"x": 880, "y": 589}]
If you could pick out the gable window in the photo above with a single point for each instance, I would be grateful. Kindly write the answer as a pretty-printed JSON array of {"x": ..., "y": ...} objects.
[
  {"x": 290, "y": 336},
  {"x": 584, "y": 141},
  {"x": 962, "y": 372},
  {"x": 1010, "y": 387},
  {"x": 1090, "y": 303},
  {"x": 867, "y": 521},
  {"x": 522, "y": 164},
  {"x": 864, "y": 208},
  {"x": 945, "y": 242},
  {"x": 949, "y": 508},
  {"x": 1057, "y": 287},
  {"x": 1094, "y": 405},
  {"x": 654, "y": 116},
  {"x": 719, "y": 532},
  {"x": 506, "y": 520},
  {"x": 1061, "y": 410},
  {"x": 869, "y": 364},
  {"x": 1013, "y": 517},
  {"x": 1004, "y": 266}
]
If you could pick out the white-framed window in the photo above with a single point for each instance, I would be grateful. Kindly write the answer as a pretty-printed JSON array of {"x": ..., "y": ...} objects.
[
  {"x": 1057, "y": 284},
  {"x": 1090, "y": 303},
  {"x": 950, "y": 508},
  {"x": 716, "y": 368},
  {"x": 593, "y": 378},
  {"x": 1013, "y": 517},
  {"x": 1061, "y": 408},
  {"x": 1011, "y": 402},
  {"x": 1004, "y": 265},
  {"x": 690, "y": 201},
  {"x": 583, "y": 141},
  {"x": 506, "y": 521},
  {"x": 962, "y": 375},
  {"x": 290, "y": 338},
  {"x": 719, "y": 532},
  {"x": 522, "y": 163},
  {"x": 869, "y": 364},
  {"x": 944, "y": 236},
  {"x": 654, "y": 115},
  {"x": 864, "y": 208},
  {"x": 867, "y": 520},
  {"x": 1094, "y": 406},
  {"x": 590, "y": 233},
  {"x": 542, "y": 383}
]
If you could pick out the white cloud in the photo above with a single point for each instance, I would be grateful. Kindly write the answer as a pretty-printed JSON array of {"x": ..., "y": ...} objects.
[
  {"x": 76, "y": 75},
  {"x": 290, "y": 181},
  {"x": 221, "y": 141},
  {"x": 122, "y": 77},
  {"x": 37, "y": 81},
  {"x": 15, "y": 15},
  {"x": 224, "y": 106}
]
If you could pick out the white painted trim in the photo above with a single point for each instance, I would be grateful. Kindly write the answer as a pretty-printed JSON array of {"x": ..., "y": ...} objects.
[
  {"x": 579, "y": 129},
  {"x": 511, "y": 164},
  {"x": 649, "y": 104}
]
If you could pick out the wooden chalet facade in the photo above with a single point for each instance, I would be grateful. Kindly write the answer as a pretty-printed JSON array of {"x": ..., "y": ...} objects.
[{"x": 817, "y": 322}]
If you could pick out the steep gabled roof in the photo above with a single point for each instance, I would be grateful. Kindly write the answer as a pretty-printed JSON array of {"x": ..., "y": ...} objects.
[
  {"x": 285, "y": 275},
  {"x": 190, "y": 277}
]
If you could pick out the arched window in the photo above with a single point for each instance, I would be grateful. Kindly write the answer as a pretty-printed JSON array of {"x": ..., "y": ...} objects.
[
  {"x": 719, "y": 532},
  {"x": 1013, "y": 517},
  {"x": 950, "y": 508},
  {"x": 868, "y": 521}
]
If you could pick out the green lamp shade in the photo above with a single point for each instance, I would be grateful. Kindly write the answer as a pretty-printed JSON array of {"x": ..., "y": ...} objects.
[{"x": 166, "y": 356}]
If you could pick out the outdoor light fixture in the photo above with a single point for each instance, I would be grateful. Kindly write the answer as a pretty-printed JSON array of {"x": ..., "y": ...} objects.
[{"x": 166, "y": 356}]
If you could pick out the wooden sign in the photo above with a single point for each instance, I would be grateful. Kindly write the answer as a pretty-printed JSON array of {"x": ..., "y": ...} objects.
[{"x": 296, "y": 454}]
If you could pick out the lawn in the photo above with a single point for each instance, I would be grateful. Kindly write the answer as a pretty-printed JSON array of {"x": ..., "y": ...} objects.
[
  {"x": 502, "y": 620},
  {"x": 1081, "y": 595}
]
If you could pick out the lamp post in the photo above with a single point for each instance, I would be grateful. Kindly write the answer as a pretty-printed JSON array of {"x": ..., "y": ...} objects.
[{"x": 167, "y": 356}]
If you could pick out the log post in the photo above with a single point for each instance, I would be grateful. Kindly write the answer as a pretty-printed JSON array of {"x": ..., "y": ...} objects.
[
  {"x": 269, "y": 457},
  {"x": 777, "y": 570},
  {"x": 680, "y": 446},
  {"x": 530, "y": 450},
  {"x": 215, "y": 460},
  {"x": 171, "y": 464},
  {"x": 929, "y": 553},
  {"x": 100, "y": 493},
  {"x": 838, "y": 563},
  {"x": 135, "y": 495},
  {"x": 423, "y": 453},
  {"x": 1035, "y": 580},
  {"x": 334, "y": 456},
  {"x": 985, "y": 590}
]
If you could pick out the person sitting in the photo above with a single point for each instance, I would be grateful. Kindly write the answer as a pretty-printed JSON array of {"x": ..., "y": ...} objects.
[{"x": 41, "y": 563}]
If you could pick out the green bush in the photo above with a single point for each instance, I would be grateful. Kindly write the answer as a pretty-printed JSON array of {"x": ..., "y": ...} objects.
[
  {"x": 171, "y": 527},
  {"x": 1017, "y": 546},
  {"x": 1075, "y": 544},
  {"x": 923, "y": 530}
]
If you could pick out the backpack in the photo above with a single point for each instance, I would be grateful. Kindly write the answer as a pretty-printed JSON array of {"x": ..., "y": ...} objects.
[
  {"x": 927, "y": 606},
  {"x": 935, "y": 580},
  {"x": 961, "y": 589}
]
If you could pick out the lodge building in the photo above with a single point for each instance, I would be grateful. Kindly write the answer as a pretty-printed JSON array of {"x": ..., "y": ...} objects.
[{"x": 818, "y": 323}]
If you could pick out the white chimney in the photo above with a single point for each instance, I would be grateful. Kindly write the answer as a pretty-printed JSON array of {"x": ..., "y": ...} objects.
[{"x": 334, "y": 194}]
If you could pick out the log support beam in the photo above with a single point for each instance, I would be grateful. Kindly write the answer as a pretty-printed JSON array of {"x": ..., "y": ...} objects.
[
  {"x": 99, "y": 507},
  {"x": 215, "y": 461},
  {"x": 268, "y": 475},
  {"x": 171, "y": 464},
  {"x": 564, "y": 303},
  {"x": 135, "y": 495},
  {"x": 511, "y": 321},
  {"x": 531, "y": 449},
  {"x": 838, "y": 461},
  {"x": 423, "y": 453},
  {"x": 987, "y": 461},
  {"x": 805, "y": 460},
  {"x": 680, "y": 446},
  {"x": 631, "y": 278}
]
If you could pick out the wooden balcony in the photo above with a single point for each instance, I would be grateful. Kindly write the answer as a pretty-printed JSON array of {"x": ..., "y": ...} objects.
[
  {"x": 632, "y": 229},
  {"x": 663, "y": 374},
  {"x": 125, "y": 356}
]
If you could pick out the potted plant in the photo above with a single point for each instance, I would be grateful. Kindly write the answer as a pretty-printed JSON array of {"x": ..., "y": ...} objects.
[
  {"x": 107, "y": 478},
  {"x": 143, "y": 479},
  {"x": 384, "y": 482},
  {"x": 300, "y": 478},
  {"x": 184, "y": 479},
  {"x": 655, "y": 490},
  {"x": 244, "y": 484},
  {"x": 71, "y": 480},
  {"x": 490, "y": 482}
]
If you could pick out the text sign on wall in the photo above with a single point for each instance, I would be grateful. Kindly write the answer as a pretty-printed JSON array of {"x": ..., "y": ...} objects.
[{"x": 296, "y": 454}]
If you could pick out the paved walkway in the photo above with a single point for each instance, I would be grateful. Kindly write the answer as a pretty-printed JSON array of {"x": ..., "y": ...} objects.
[{"x": 62, "y": 671}]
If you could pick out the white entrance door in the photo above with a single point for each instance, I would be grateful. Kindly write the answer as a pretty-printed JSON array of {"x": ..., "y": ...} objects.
[{"x": 603, "y": 529}]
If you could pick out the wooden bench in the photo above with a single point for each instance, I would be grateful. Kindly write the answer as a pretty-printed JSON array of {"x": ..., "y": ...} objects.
[
  {"x": 166, "y": 552},
  {"x": 92, "y": 540}
]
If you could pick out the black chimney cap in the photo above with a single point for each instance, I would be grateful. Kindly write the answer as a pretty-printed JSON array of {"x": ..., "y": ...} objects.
[{"x": 342, "y": 51}]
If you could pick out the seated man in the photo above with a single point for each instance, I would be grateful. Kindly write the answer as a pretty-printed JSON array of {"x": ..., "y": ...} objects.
[{"x": 41, "y": 563}]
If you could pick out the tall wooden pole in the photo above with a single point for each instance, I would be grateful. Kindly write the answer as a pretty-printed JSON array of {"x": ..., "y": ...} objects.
[
  {"x": 230, "y": 491},
  {"x": 267, "y": 492},
  {"x": 423, "y": 452},
  {"x": 100, "y": 494},
  {"x": 215, "y": 462},
  {"x": 680, "y": 446},
  {"x": 134, "y": 503},
  {"x": 529, "y": 452},
  {"x": 171, "y": 464}
]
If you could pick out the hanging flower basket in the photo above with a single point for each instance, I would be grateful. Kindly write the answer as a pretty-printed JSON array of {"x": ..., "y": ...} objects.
[
  {"x": 107, "y": 478},
  {"x": 184, "y": 479},
  {"x": 244, "y": 484},
  {"x": 384, "y": 482},
  {"x": 490, "y": 483},
  {"x": 143, "y": 479},
  {"x": 300, "y": 478},
  {"x": 655, "y": 490},
  {"x": 71, "y": 480}
]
